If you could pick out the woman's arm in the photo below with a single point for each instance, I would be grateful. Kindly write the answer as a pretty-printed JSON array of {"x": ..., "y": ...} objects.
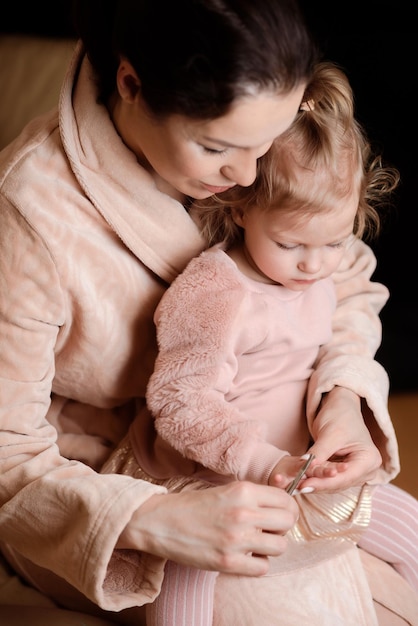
[{"x": 342, "y": 425}]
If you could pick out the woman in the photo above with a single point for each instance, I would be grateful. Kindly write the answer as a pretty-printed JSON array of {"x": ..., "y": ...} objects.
[{"x": 94, "y": 228}]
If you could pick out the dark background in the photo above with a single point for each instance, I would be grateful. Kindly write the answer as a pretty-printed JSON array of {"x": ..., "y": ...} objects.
[{"x": 375, "y": 42}]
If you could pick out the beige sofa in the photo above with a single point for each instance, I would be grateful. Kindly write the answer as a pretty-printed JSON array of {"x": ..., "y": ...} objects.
[{"x": 31, "y": 70}]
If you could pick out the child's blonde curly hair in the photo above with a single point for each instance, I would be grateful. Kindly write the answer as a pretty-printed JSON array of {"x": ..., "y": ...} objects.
[{"x": 322, "y": 158}]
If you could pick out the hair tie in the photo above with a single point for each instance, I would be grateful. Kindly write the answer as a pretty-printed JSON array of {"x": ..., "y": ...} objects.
[{"x": 308, "y": 105}]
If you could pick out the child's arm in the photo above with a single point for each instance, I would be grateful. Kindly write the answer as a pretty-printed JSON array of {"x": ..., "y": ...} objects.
[{"x": 204, "y": 320}]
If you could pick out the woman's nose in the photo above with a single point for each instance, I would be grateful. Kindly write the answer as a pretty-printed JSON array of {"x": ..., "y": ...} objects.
[{"x": 242, "y": 169}]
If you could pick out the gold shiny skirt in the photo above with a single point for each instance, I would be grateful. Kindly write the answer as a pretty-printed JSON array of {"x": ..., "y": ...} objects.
[{"x": 345, "y": 514}]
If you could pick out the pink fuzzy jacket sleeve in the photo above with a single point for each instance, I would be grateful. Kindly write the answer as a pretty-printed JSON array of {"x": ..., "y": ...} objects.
[{"x": 194, "y": 369}]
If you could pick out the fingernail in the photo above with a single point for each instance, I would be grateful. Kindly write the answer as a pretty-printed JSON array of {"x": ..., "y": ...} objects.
[
  {"x": 305, "y": 490},
  {"x": 305, "y": 457}
]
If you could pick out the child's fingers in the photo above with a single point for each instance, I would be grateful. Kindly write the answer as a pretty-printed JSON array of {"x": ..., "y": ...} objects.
[{"x": 327, "y": 469}]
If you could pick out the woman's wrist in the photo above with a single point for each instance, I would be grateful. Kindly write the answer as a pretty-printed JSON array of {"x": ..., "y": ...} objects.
[
  {"x": 340, "y": 394},
  {"x": 133, "y": 535}
]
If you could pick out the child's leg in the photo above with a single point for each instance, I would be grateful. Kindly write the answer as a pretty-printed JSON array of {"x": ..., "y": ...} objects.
[
  {"x": 186, "y": 598},
  {"x": 393, "y": 531}
]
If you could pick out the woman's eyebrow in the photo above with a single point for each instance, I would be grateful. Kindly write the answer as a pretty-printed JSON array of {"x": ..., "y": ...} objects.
[{"x": 221, "y": 142}]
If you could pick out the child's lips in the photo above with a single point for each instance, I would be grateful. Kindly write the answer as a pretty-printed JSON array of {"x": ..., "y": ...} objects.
[{"x": 305, "y": 281}]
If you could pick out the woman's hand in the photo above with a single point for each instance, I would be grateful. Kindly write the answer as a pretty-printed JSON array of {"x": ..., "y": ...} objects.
[
  {"x": 340, "y": 434},
  {"x": 230, "y": 528}
]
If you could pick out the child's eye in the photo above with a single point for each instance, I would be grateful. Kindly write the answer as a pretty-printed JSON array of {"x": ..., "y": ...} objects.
[
  {"x": 339, "y": 244},
  {"x": 213, "y": 151},
  {"x": 285, "y": 246}
]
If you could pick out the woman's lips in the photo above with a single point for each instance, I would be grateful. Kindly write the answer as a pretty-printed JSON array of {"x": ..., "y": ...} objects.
[{"x": 216, "y": 188}]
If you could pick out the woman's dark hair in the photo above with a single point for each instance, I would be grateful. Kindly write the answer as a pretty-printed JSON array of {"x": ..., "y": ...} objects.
[{"x": 195, "y": 57}]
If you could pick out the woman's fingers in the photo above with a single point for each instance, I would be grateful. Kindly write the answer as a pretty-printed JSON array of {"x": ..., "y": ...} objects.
[{"x": 231, "y": 528}]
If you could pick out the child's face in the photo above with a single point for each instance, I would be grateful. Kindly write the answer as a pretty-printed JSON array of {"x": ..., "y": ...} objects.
[{"x": 296, "y": 251}]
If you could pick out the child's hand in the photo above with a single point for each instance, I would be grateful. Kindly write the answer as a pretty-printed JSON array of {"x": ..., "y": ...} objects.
[{"x": 289, "y": 466}]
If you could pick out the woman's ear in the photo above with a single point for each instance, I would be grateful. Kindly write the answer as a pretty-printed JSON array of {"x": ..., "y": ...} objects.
[{"x": 127, "y": 81}]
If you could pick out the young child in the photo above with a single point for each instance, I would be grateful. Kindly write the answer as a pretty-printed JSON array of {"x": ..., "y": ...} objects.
[{"x": 240, "y": 329}]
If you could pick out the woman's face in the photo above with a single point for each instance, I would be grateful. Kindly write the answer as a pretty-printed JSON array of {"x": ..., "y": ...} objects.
[{"x": 201, "y": 158}]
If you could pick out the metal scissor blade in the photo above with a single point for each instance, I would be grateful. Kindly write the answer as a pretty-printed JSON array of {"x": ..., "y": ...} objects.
[{"x": 295, "y": 482}]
